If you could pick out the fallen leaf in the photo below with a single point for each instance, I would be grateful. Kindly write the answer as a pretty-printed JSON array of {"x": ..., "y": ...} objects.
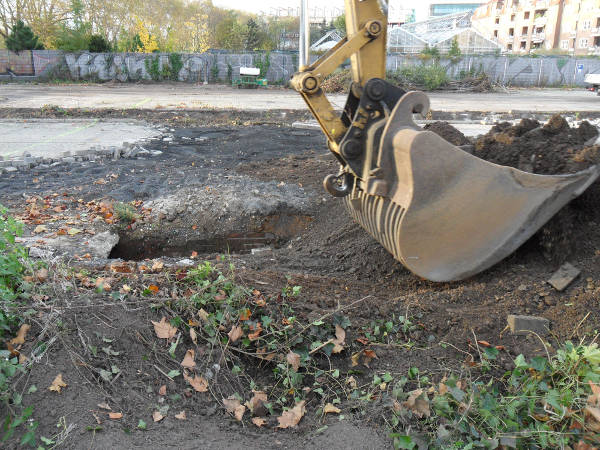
[
  {"x": 157, "y": 417},
  {"x": 115, "y": 415},
  {"x": 257, "y": 400},
  {"x": 330, "y": 409},
  {"x": 122, "y": 267},
  {"x": 40, "y": 229},
  {"x": 98, "y": 421},
  {"x": 338, "y": 342},
  {"x": 153, "y": 288},
  {"x": 21, "y": 334},
  {"x": 369, "y": 355},
  {"x": 104, "y": 406},
  {"x": 484, "y": 343},
  {"x": 198, "y": 383},
  {"x": 180, "y": 416},
  {"x": 258, "y": 421},
  {"x": 417, "y": 403},
  {"x": 245, "y": 314},
  {"x": 194, "y": 255},
  {"x": 291, "y": 417},
  {"x": 57, "y": 384},
  {"x": 41, "y": 275},
  {"x": 293, "y": 360},
  {"x": 158, "y": 265},
  {"x": 194, "y": 336},
  {"x": 355, "y": 358},
  {"x": 203, "y": 315},
  {"x": 233, "y": 406},
  {"x": 163, "y": 329},
  {"x": 162, "y": 390},
  {"x": 235, "y": 333},
  {"x": 256, "y": 334},
  {"x": 73, "y": 231},
  {"x": 351, "y": 381},
  {"x": 443, "y": 389},
  {"x": 188, "y": 359}
]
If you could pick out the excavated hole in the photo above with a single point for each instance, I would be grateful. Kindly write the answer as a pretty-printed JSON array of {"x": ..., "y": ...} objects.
[{"x": 275, "y": 231}]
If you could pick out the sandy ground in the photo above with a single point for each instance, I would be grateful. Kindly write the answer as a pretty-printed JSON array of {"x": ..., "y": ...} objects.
[{"x": 186, "y": 96}]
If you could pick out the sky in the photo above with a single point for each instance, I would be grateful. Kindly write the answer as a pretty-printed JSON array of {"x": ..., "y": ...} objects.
[{"x": 256, "y": 6}]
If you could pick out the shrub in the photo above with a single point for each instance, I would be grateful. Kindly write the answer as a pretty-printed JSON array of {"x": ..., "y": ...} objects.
[
  {"x": 98, "y": 44},
  {"x": 429, "y": 77},
  {"x": 23, "y": 38},
  {"x": 338, "y": 81}
]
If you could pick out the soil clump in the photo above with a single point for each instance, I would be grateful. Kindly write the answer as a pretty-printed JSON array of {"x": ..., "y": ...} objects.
[{"x": 448, "y": 132}]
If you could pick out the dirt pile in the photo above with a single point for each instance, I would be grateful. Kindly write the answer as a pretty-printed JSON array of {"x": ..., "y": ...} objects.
[
  {"x": 448, "y": 132},
  {"x": 554, "y": 148}
]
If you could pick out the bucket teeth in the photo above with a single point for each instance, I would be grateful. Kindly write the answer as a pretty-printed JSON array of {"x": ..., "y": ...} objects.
[{"x": 379, "y": 216}]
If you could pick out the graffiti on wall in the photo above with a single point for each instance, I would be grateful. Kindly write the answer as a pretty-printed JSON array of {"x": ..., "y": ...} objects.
[{"x": 224, "y": 66}]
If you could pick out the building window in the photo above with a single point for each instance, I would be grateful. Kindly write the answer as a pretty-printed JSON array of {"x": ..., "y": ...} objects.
[
  {"x": 524, "y": 31},
  {"x": 526, "y": 15},
  {"x": 509, "y": 47},
  {"x": 523, "y": 45},
  {"x": 587, "y": 24},
  {"x": 495, "y": 33},
  {"x": 497, "y": 20},
  {"x": 564, "y": 45},
  {"x": 511, "y": 32},
  {"x": 512, "y": 17},
  {"x": 597, "y": 41},
  {"x": 583, "y": 43}
]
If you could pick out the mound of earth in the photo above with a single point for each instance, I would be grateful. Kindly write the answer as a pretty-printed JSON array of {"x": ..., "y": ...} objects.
[
  {"x": 554, "y": 148},
  {"x": 448, "y": 132}
]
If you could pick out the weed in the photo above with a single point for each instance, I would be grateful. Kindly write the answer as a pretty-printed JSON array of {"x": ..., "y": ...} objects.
[
  {"x": 125, "y": 212},
  {"x": 14, "y": 265},
  {"x": 543, "y": 402},
  {"x": 152, "y": 65}
]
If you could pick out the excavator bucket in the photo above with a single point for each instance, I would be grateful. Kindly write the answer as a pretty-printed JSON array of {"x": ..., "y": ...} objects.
[
  {"x": 442, "y": 212},
  {"x": 446, "y": 214}
]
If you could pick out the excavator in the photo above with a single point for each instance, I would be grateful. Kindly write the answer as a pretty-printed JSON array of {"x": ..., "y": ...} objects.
[{"x": 443, "y": 213}]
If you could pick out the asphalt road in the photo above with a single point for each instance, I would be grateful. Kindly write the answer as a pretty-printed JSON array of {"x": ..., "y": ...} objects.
[{"x": 187, "y": 96}]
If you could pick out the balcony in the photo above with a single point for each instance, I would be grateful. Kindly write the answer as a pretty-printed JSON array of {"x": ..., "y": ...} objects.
[
  {"x": 538, "y": 37},
  {"x": 540, "y": 21},
  {"x": 595, "y": 31}
]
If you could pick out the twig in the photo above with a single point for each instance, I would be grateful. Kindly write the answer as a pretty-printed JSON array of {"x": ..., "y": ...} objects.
[
  {"x": 159, "y": 369},
  {"x": 316, "y": 349},
  {"x": 580, "y": 323}
]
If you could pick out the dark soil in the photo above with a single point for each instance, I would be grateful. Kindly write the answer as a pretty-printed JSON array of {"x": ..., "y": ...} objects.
[
  {"x": 334, "y": 260},
  {"x": 448, "y": 132},
  {"x": 554, "y": 148}
]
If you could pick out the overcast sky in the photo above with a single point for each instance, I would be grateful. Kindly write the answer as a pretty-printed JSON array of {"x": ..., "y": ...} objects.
[{"x": 257, "y": 6}]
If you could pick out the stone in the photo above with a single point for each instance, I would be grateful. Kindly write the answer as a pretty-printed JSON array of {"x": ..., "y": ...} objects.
[
  {"x": 69, "y": 160},
  {"x": 116, "y": 153},
  {"x": 564, "y": 276},
  {"x": 522, "y": 325},
  {"x": 10, "y": 169},
  {"x": 35, "y": 252},
  {"x": 102, "y": 244},
  {"x": 186, "y": 262}
]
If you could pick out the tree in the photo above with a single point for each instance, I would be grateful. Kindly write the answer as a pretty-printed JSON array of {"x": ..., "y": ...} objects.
[
  {"x": 340, "y": 24},
  {"x": 454, "y": 51},
  {"x": 98, "y": 44},
  {"x": 22, "y": 38},
  {"x": 252, "y": 40},
  {"x": 147, "y": 40}
]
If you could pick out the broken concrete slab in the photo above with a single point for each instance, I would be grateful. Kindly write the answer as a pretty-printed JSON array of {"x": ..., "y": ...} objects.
[
  {"x": 564, "y": 276},
  {"x": 98, "y": 246},
  {"x": 519, "y": 324}
]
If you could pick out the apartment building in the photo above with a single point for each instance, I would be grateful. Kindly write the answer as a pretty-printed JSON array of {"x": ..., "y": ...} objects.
[
  {"x": 521, "y": 26},
  {"x": 427, "y": 9}
]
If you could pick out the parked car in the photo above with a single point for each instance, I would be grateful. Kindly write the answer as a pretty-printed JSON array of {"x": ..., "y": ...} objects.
[{"x": 592, "y": 81}]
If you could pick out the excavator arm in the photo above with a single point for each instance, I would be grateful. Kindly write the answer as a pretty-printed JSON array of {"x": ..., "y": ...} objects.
[{"x": 443, "y": 213}]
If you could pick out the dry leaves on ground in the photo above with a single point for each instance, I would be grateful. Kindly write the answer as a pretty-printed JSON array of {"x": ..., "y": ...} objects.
[
  {"x": 57, "y": 384},
  {"x": 293, "y": 360},
  {"x": 291, "y": 417},
  {"x": 233, "y": 406},
  {"x": 21, "y": 335},
  {"x": 163, "y": 329},
  {"x": 157, "y": 417},
  {"x": 330, "y": 409},
  {"x": 340, "y": 338},
  {"x": 198, "y": 383},
  {"x": 188, "y": 359},
  {"x": 163, "y": 390},
  {"x": 115, "y": 415},
  {"x": 235, "y": 333},
  {"x": 258, "y": 421},
  {"x": 417, "y": 403},
  {"x": 181, "y": 416},
  {"x": 256, "y": 401}
]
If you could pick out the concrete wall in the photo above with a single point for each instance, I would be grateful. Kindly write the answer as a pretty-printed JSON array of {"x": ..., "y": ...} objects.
[
  {"x": 514, "y": 71},
  {"x": 41, "y": 64},
  {"x": 505, "y": 70}
]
